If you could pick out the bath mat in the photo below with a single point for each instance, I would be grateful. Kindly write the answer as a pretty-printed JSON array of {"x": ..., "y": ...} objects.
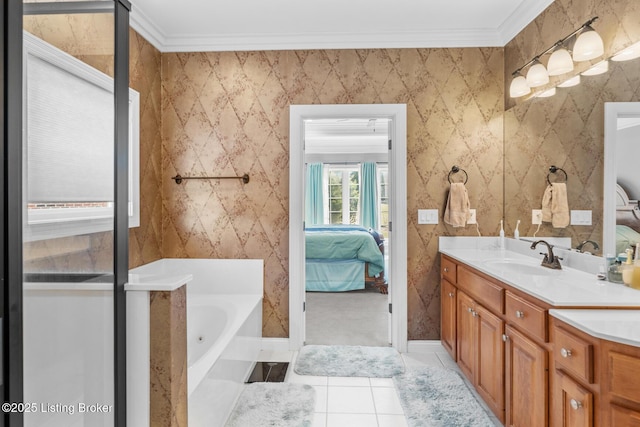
[
  {"x": 349, "y": 361},
  {"x": 438, "y": 397},
  {"x": 274, "y": 404}
]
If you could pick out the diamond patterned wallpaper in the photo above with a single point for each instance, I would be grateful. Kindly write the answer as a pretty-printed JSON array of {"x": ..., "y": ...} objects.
[
  {"x": 228, "y": 114},
  {"x": 566, "y": 130}
]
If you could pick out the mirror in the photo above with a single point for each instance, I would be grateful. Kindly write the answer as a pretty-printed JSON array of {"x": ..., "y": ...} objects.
[{"x": 621, "y": 188}]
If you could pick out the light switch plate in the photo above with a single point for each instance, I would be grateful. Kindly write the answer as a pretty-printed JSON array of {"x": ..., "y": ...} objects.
[
  {"x": 427, "y": 216},
  {"x": 580, "y": 217},
  {"x": 472, "y": 217}
]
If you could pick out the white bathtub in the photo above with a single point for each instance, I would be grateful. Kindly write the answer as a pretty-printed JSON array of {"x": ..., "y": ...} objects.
[{"x": 224, "y": 330}]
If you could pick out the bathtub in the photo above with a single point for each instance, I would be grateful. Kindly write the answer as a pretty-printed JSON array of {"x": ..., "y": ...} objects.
[{"x": 224, "y": 330}]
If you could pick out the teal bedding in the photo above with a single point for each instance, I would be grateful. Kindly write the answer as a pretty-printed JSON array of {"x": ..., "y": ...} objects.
[
  {"x": 336, "y": 258},
  {"x": 625, "y": 237}
]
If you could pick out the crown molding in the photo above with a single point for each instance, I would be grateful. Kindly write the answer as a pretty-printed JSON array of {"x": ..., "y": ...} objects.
[
  {"x": 444, "y": 38},
  {"x": 524, "y": 14}
]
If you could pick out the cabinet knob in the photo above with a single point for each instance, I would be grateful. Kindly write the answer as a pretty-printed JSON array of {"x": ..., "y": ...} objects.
[
  {"x": 474, "y": 313},
  {"x": 451, "y": 294},
  {"x": 505, "y": 337},
  {"x": 446, "y": 269},
  {"x": 565, "y": 353},
  {"x": 519, "y": 314},
  {"x": 470, "y": 310},
  {"x": 575, "y": 405}
]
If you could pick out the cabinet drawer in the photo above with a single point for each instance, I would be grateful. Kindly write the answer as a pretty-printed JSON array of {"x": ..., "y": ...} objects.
[
  {"x": 526, "y": 315},
  {"x": 624, "y": 417},
  {"x": 485, "y": 292},
  {"x": 448, "y": 270},
  {"x": 622, "y": 376},
  {"x": 573, "y": 354}
]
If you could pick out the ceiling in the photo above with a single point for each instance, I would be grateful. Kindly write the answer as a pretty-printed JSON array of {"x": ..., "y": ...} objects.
[{"x": 236, "y": 25}]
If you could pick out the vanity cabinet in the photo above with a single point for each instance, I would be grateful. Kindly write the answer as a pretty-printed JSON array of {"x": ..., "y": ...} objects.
[
  {"x": 620, "y": 384},
  {"x": 575, "y": 392},
  {"x": 448, "y": 317}
]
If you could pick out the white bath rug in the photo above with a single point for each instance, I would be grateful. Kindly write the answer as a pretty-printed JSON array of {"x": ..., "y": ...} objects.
[
  {"x": 349, "y": 361},
  {"x": 274, "y": 405},
  {"x": 438, "y": 397}
]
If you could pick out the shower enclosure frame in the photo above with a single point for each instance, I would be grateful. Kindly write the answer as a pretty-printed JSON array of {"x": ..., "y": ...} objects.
[{"x": 11, "y": 205}]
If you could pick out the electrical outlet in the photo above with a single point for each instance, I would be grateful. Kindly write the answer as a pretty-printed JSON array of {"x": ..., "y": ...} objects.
[
  {"x": 472, "y": 217},
  {"x": 536, "y": 216}
]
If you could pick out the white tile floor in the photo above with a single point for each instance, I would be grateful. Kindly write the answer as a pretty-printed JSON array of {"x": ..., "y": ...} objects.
[{"x": 362, "y": 402}]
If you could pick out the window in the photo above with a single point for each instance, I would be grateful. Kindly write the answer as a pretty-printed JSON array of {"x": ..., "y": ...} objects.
[
  {"x": 343, "y": 194},
  {"x": 69, "y": 145}
]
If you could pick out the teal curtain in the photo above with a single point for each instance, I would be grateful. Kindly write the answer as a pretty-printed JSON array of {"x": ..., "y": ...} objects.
[
  {"x": 313, "y": 203},
  {"x": 369, "y": 196}
]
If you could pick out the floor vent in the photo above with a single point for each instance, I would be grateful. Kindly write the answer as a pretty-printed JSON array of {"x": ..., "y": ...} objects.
[{"x": 269, "y": 372}]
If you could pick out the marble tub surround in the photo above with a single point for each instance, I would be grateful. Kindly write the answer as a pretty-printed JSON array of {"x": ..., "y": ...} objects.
[
  {"x": 168, "y": 361},
  {"x": 569, "y": 287},
  {"x": 621, "y": 326}
]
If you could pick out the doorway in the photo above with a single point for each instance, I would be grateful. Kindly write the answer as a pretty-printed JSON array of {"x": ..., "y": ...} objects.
[{"x": 393, "y": 117}]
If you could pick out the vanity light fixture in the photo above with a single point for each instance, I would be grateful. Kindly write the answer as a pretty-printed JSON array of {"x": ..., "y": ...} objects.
[
  {"x": 588, "y": 46},
  {"x": 627, "y": 54},
  {"x": 537, "y": 74},
  {"x": 600, "y": 68},
  {"x": 519, "y": 86},
  {"x": 573, "y": 81},
  {"x": 560, "y": 62}
]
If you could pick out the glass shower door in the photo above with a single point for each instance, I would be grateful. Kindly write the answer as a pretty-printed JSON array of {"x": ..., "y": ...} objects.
[{"x": 68, "y": 222}]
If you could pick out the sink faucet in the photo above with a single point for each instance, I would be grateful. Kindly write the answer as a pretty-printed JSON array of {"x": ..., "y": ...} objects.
[
  {"x": 550, "y": 260},
  {"x": 581, "y": 245}
]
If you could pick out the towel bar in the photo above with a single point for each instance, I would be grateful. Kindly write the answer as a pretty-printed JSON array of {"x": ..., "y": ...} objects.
[
  {"x": 178, "y": 179},
  {"x": 554, "y": 169},
  {"x": 456, "y": 169}
]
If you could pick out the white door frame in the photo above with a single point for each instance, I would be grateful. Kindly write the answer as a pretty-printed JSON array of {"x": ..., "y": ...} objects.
[{"x": 397, "y": 211}]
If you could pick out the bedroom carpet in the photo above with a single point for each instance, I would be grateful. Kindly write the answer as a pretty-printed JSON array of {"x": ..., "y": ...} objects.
[
  {"x": 438, "y": 397},
  {"x": 348, "y": 361},
  {"x": 347, "y": 318},
  {"x": 274, "y": 404}
]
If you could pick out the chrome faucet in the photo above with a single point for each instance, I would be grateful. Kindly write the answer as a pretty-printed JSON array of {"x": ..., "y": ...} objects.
[
  {"x": 550, "y": 260},
  {"x": 581, "y": 245}
]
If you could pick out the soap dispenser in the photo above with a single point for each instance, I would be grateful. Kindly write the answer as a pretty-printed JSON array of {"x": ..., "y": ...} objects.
[
  {"x": 501, "y": 234},
  {"x": 627, "y": 268},
  {"x": 635, "y": 278},
  {"x": 516, "y": 233}
]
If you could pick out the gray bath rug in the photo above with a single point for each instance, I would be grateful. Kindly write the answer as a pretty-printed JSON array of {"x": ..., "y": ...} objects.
[
  {"x": 349, "y": 361},
  {"x": 438, "y": 397},
  {"x": 275, "y": 405}
]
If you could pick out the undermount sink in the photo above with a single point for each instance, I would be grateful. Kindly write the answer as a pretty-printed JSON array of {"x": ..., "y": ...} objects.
[{"x": 516, "y": 266}]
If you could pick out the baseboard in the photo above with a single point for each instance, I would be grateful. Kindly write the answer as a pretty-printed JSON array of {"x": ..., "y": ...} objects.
[
  {"x": 275, "y": 344},
  {"x": 424, "y": 346}
]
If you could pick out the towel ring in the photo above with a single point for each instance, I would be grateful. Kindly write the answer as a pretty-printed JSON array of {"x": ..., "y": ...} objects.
[
  {"x": 456, "y": 169},
  {"x": 554, "y": 169}
]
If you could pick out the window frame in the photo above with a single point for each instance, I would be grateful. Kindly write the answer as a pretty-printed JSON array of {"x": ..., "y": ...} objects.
[
  {"x": 346, "y": 170},
  {"x": 50, "y": 223}
]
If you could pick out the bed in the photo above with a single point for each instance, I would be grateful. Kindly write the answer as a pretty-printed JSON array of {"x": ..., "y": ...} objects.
[
  {"x": 627, "y": 220},
  {"x": 343, "y": 258}
]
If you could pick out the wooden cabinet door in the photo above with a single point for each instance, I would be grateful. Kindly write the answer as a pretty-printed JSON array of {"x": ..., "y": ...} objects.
[
  {"x": 576, "y": 402},
  {"x": 448, "y": 317},
  {"x": 490, "y": 365},
  {"x": 466, "y": 346},
  {"x": 526, "y": 381}
]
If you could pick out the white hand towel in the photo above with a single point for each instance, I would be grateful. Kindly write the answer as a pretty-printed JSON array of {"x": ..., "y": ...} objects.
[
  {"x": 546, "y": 204},
  {"x": 457, "y": 212}
]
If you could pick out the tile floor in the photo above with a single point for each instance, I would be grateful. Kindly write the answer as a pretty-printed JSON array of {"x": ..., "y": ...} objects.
[{"x": 362, "y": 402}]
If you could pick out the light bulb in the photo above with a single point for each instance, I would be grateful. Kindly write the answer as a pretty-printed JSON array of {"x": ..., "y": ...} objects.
[
  {"x": 519, "y": 87},
  {"x": 537, "y": 75},
  {"x": 588, "y": 46},
  {"x": 560, "y": 62}
]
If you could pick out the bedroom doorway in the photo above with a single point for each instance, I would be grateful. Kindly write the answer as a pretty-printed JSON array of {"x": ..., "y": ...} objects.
[{"x": 352, "y": 157}]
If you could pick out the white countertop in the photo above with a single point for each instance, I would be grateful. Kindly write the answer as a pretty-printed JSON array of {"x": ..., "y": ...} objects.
[
  {"x": 156, "y": 282},
  {"x": 621, "y": 326},
  {"x": 569, "y": 287}
]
